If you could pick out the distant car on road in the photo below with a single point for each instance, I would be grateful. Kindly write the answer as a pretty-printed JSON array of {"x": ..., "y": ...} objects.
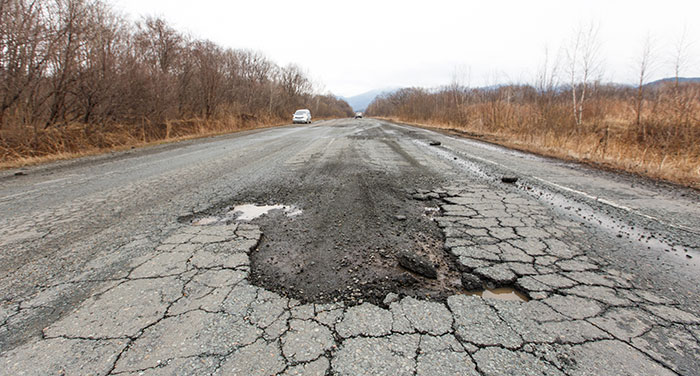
[
  {"x": 302, "y": 116},
  {"x": 358, "y": 115}
]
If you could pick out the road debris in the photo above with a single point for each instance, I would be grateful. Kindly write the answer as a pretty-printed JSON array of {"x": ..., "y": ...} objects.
[{"x": 416, "y": 263}]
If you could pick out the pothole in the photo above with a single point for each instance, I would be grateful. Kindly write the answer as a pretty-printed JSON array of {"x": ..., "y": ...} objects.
[
  {"x": 345, "y": 246},
  {"x": 245, "y": 212},
  {"x": 346, "y": 243},
  {"x": 501, "y": 293},
  {"x": 249, "y": 212},
  {"x": 316, "y": 257}
]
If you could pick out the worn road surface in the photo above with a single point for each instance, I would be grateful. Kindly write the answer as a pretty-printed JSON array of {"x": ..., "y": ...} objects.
[{"x": 398, "y": 251}]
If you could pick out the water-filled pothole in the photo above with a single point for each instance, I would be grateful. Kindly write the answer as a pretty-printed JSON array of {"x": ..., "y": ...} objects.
[
  {"x": 246, "y": 212},
  {"x": 501, "y": 293}
]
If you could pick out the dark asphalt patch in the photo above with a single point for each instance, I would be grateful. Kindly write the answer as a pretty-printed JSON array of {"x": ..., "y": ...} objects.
[
  {"x": 348, "y": 242},
  {"x": 344, "y": 245}
]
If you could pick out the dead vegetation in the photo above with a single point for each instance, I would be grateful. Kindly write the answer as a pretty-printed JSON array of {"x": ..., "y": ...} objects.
[{"x": 76, "y": 77}]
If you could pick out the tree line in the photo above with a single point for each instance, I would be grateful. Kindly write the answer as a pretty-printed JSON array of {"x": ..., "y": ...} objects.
[
  {"x": 75, "y": 74},
  {"x": 668, "y": 118}
]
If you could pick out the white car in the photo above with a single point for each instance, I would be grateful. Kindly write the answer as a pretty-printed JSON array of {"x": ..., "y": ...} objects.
[{"x": 302, "y": 116}]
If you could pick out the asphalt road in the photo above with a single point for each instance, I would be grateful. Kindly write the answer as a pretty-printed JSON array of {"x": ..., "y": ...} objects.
[{"x": 135, "y": 263}]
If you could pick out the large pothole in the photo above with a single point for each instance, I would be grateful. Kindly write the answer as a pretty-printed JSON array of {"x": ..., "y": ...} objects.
[
  {"x": 351, "y": 250},
  {"x": 343, "y": 233},
  {"x": 346, "y": 257}
]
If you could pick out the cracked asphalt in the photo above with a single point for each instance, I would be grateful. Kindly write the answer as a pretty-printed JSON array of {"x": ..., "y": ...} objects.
[{"x": 104, "y": 269}]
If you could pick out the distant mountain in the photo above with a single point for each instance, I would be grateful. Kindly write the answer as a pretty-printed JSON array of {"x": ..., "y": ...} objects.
[
  {"x": 671, "y": 80},
  {"x": 361, "y": 101}
]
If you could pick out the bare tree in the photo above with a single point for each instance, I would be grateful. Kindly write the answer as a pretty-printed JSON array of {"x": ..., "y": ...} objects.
[
  {"x": 97, "y": 81},
  {"x": 584, "y": 63},
  {"x": 295, "y": 85},
  {"x": 208, "y": 76},
  {"x": 547, "y": 75},
  {"x": 546, "y": 82},
  {"x": 456, "y": 91},
  {"x": 25, "y": 47},
  {"x": 644, "y": 65},
  {"x": 680, "y": 56},
  {"x": 681, "y": 59},
  {"x": 159, "y": 47},
  {"x": 70, "y": 19},
  {"x": 294, "y": 81},
  {"x": 159, "y": 43}
]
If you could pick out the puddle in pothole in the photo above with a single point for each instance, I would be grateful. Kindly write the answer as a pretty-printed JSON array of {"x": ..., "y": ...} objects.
[
  {"x": 247, "y": 212},
  {"x": 501, "y": 293}
]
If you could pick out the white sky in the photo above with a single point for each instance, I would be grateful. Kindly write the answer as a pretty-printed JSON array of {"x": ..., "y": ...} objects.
[{"x": 355, "y": 46}]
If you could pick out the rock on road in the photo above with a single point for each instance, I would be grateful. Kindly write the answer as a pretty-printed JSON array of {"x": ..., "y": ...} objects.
[{"x": 133, "y": 262}]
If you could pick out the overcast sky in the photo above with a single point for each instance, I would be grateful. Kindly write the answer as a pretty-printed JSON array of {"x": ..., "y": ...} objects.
[{"x": 356, "y": 46}]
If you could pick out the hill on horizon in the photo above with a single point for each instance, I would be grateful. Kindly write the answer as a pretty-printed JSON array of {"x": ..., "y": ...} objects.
[
  {"x": 669, "y": 80},
  {"x": 361, "y": 101}
]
